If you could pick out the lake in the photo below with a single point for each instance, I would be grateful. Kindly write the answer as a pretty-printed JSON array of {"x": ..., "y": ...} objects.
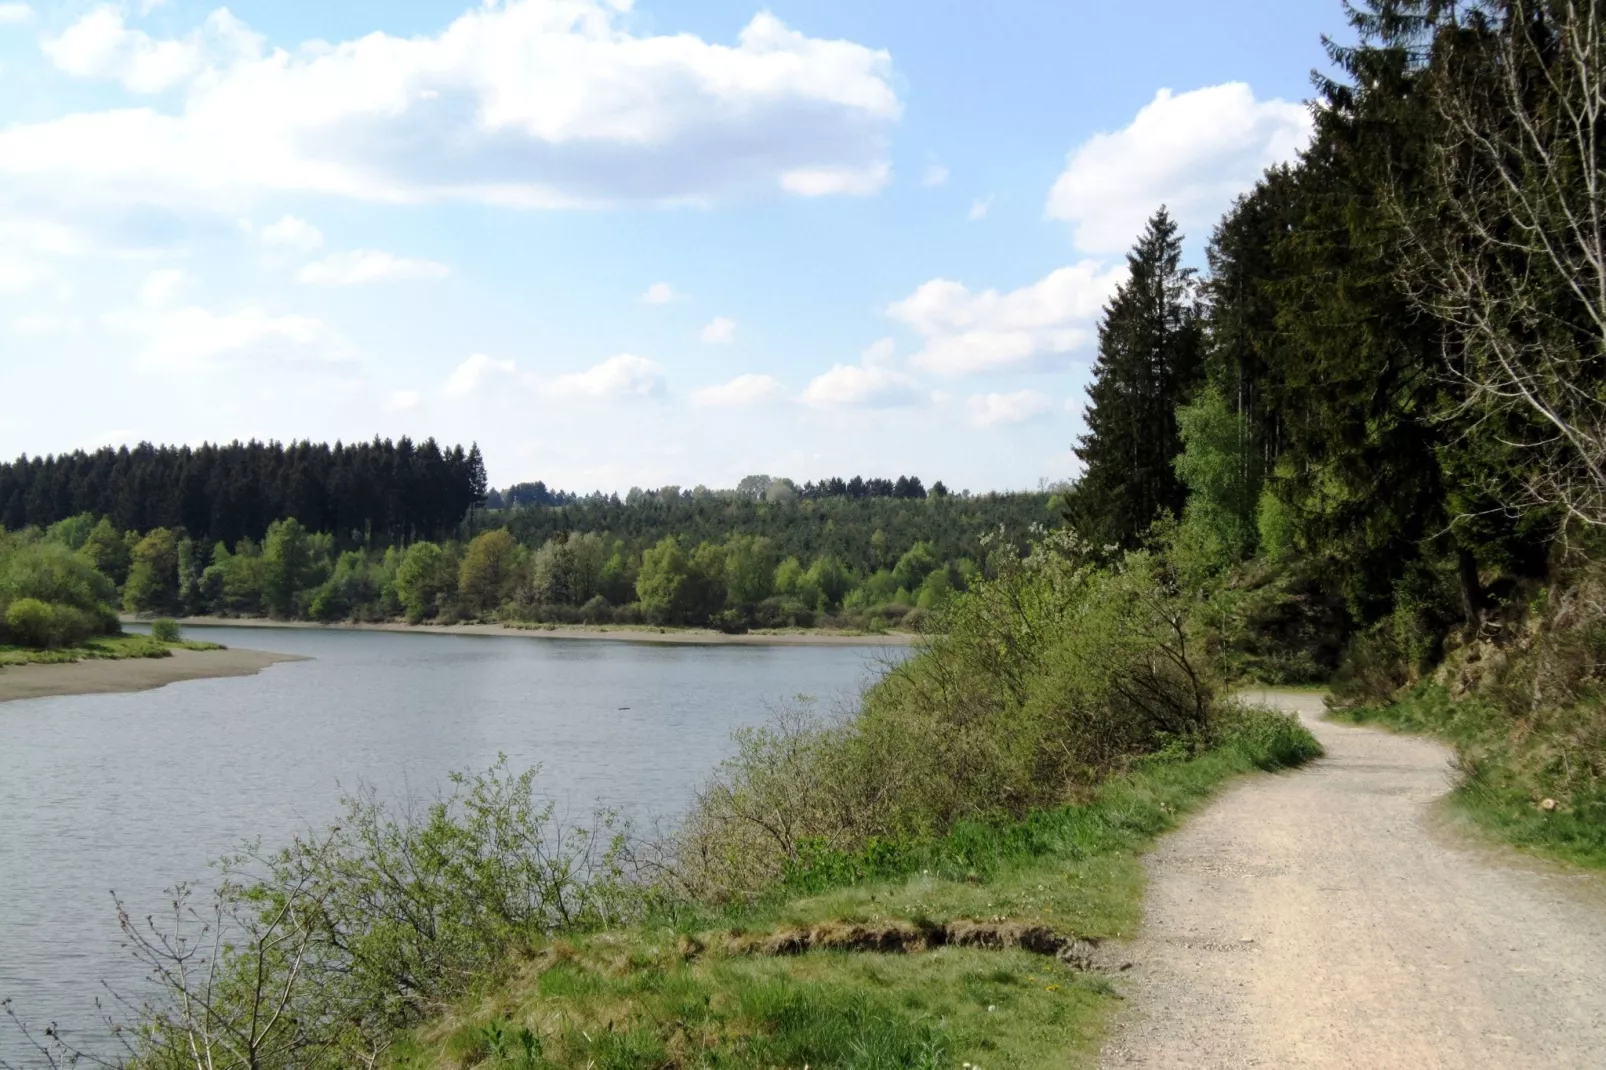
[{"x": 136, "y": 792}]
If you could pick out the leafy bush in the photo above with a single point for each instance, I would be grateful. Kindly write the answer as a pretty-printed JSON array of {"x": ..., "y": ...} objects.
[
  {"x": 1042, "y": 682},
  {"x": 30, "y": 622},
  {"x": 63, "y": 599},
  {"x": 166, "y": 630}
]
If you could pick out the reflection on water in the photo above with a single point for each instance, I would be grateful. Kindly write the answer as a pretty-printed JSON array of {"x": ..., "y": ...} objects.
[{"x": 135, "y": 792}]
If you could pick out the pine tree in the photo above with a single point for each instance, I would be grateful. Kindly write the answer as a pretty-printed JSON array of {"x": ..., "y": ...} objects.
[{"x": 1149, "y": 362}]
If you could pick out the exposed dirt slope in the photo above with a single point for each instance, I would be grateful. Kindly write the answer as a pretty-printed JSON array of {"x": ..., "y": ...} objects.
[{"x": 1330, "y": 918}]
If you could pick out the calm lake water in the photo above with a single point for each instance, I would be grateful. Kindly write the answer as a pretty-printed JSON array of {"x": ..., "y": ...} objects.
[{"x": 133, "y": 793}]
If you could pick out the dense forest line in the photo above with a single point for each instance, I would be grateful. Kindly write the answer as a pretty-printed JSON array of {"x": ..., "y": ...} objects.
[{"x": 374, "y": 493}]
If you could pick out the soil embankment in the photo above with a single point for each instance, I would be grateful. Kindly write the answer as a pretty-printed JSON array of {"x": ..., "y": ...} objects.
[
  {"x": 1334, "y": 917},
  {"x": 102, "y": 677}
]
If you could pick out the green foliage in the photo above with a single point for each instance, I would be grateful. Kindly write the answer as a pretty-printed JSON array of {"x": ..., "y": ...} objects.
[
  {"x": 1149, "y": 363},
  {"x": 492, "y": 568},
  {"x": 52, "y": 597},
  {"x": 166, "y": 630},
  {"x": 287, "y": 566},
  {"x": 330, "y": 946},
  {"x": 424, "y": 580},
  {"x": 1215, "y": 464},
  {"x": 1041, "y": 681},
  {"x": 152, "y": 585},
  {"x": 107, "y": 552}
]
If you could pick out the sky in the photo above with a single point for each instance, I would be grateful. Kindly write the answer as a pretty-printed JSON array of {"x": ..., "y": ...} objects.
[{"x": 614, "y": 242}]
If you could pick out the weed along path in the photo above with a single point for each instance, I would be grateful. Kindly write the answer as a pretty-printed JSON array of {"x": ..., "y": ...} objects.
[{"x": 1326, "y": 918}]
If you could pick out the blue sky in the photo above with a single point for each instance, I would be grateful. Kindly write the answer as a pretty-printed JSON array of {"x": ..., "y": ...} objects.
[{"x": 617, "y": 244}]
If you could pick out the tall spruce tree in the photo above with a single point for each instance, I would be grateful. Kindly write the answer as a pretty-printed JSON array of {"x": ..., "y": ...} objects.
[{"x": 1150, "y": 361}]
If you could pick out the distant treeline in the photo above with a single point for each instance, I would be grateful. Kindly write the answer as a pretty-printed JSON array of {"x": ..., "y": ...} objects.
[{"x": 371, "y": 493}]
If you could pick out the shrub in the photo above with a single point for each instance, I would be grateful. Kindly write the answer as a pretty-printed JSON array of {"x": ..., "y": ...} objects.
[
  {"x": 166, "y": 630},
  {"x": 32, "y": 623},
  {"x": 1039, "y": 684},
  {"x": 386, "y": 918}
]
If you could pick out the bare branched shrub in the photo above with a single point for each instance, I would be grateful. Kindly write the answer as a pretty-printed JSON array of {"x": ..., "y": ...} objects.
[
  {"x": 1511, "y": 255},
  {"x": 315, "y": 956}
]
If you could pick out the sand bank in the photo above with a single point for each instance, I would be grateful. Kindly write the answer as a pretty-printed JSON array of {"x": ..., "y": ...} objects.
[{"x": 103, "y": 677}]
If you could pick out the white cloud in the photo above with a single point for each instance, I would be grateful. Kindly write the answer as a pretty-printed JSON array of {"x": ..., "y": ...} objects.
[
  {"x": 660, "y": 293},
  {"x": 871, "y": 384},
  {"x": 292, "y": 233},
  {"x": 42, "y": 325},
  {"x": 191, "y": 339},
  {"x": 18, "y": 273},
  {"x": 626, "y": 375},
  {"x": 936, "y": 174},
  {"x": 475, "y": 372},
  {"x": 100, "y": 45},
  {"x": 546, "y": 103},
  {"x": 364, "y": 265},
  {"x": 979, "y": 209},
  {"x": 403, "y": 401},
  {"x": 1193, "y": 152},
  {"x": 741, "y": 391},
  {"x": 161, "y": 287},
  {"x": 15, "y": 14},
  {"x": 720, "y": 331},
  {"x": 995, "y": 410},
  {"x": 967, "y": 332}
]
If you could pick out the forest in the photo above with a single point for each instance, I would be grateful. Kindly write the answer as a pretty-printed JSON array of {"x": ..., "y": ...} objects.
[{"x": 765, "y": 554}]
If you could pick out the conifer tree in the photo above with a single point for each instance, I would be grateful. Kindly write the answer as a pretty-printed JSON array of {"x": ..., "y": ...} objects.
[{"x": 1149, "y": 362}]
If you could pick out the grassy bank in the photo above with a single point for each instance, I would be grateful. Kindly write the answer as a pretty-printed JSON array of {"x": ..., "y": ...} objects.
[
  {"x": 101, "y": 648},
  {"x": 697, "y": 988},
  {"x": 1523, "y": 779}
]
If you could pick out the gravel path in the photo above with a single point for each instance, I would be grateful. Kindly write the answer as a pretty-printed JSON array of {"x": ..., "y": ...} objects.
[{"x": 1327, "y": 918}]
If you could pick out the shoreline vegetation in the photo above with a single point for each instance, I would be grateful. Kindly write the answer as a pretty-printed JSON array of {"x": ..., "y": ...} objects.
[{"x": 644, "y": 633}]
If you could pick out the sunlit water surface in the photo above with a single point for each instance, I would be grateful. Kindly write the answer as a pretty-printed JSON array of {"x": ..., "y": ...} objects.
[{"x": 133, "y": 793}]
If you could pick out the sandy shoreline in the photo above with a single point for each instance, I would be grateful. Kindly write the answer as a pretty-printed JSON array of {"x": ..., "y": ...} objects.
[
  {"x": 105, "y": 677},
  {"x": 685, "y": 636}
]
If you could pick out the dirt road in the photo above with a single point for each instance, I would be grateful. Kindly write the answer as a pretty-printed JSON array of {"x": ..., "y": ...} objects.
[{"x": 1327, "y": 918}]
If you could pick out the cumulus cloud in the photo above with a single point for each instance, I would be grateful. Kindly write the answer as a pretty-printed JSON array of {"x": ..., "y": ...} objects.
[
  {"x": 997, "y": 410},
  {"x": 873, "y": 383},
  {"x": 475, "y": 372},
  {"x": 189, "y": 339},
  {"x": 660, "y": 293},
  {"x": 966, "y": 332},
  {"x": 546, "y": 103},
  {"x": 720, "y": 331},
  {"x": 936, "y": 174},
  {"x": 364, "y": 265},
  {"x": 101, "y": 45},
  {"x": 403, "y": 401},
  {"x": 979, "y": 209},
  {"x": 291, "y": 233},
  {"x": 740, "y": 392},
  {"x": 624, "y": 376},
  {"x": 12, "y": 14},
  {"x": 161, "y": 287},
  {"x": 1193, "y": 152}
]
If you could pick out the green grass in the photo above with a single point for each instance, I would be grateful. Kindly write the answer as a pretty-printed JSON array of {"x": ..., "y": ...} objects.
[
  {"x": 665, "y": 994},
  {"x": 105, "y": 648},
  {"x": 1508, "y": 772}
]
